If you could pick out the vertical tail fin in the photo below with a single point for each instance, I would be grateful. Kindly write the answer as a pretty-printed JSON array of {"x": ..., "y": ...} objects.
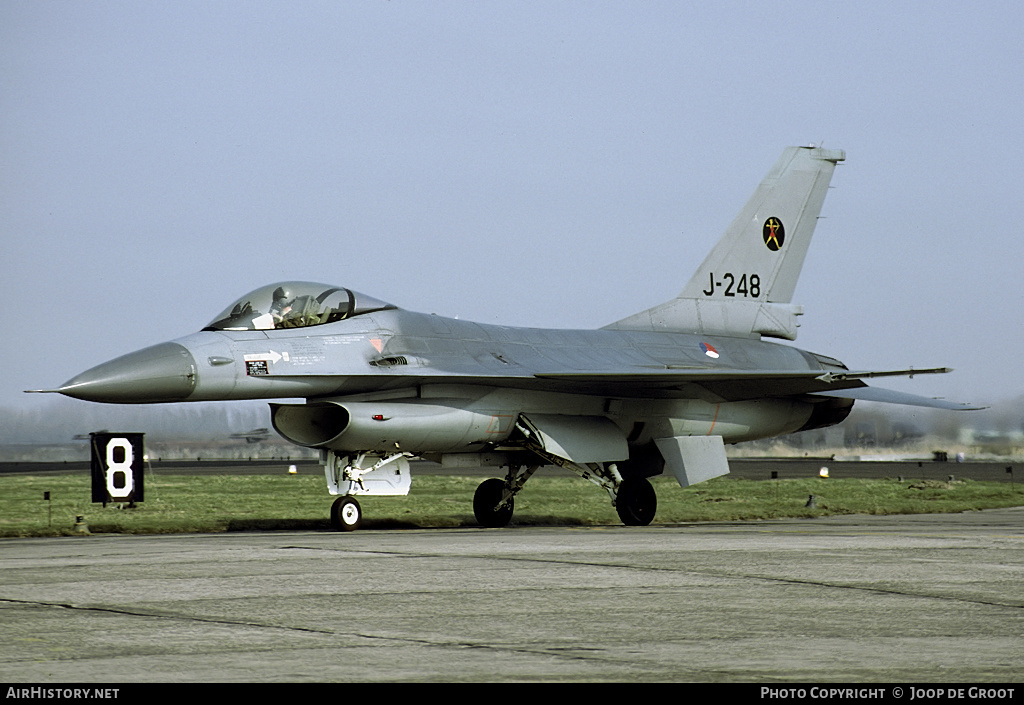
[
  {"x": 769, "y": 238},
  {"x": 745, "y": 284}
]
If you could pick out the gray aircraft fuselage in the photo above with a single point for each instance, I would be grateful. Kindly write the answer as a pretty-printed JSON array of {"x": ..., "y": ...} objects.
[{"x": 504, "y": 370}]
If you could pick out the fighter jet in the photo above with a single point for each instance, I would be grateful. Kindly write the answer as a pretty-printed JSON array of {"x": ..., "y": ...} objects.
[
  {"x": 256, "y": 435},
  {"x": 662, "y": 390}
]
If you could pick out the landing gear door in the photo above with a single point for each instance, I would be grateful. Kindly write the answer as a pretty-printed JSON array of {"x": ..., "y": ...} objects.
[
  {"x": 694, "y": 459},
  {"x": 366, "y": 474},
  {"x": 581, "y": 439}
]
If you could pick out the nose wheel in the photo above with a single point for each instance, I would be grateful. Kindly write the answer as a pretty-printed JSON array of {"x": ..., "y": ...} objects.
[{"x": 346, "y": 514}]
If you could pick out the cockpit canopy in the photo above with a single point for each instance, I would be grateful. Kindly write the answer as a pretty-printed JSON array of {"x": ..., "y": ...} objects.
[{"x": 294, "y": 305}]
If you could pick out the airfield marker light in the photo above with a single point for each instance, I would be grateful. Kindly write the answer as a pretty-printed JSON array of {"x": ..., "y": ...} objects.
[
  {"x": 823, "y": 472},
  {"x": 80, "y": 526},
  {"x": 292, "y": 469}
]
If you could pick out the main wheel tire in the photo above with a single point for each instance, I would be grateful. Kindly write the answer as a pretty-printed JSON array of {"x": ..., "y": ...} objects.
[
  {"x": 346, "y": 514},
  {"x": 485, "y": 503},
  {"x": 637, "y": 502}
]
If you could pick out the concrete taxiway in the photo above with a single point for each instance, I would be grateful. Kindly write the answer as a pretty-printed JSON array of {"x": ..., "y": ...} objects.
[{"x": 896, "y": 599}]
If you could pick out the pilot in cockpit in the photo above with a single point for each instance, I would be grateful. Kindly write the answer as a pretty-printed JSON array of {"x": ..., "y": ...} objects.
[{"x": 282, "y": 305}]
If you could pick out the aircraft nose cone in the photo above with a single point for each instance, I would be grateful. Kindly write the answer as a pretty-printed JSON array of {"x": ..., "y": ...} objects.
[{"x": 161, "y": 373}]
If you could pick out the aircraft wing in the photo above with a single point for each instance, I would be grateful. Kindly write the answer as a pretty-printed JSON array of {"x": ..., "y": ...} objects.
[
  {"x": 739, "y": 385},
  {"x": 717, "y": 385},
  {"x": 712, "y": 385}
]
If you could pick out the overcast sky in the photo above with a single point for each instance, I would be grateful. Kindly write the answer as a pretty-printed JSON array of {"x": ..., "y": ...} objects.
[{"x": 551, "y": 164}]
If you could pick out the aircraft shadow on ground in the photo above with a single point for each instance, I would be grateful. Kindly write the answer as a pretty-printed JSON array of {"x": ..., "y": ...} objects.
[{"x": 391, "y": 524}]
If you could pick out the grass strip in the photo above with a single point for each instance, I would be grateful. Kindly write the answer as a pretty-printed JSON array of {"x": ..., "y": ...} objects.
[{"x": 220, "y": 503}]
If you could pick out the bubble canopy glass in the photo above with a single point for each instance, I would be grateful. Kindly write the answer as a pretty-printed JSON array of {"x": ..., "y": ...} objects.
[{"x": 294, "y": 305}]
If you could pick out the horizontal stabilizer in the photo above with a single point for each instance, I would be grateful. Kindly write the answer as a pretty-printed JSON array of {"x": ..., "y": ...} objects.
[{"x": 887, "y": 396}]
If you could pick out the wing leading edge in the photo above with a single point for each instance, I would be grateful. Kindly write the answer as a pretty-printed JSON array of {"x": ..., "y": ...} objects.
[{"x": 741, "y": 385}]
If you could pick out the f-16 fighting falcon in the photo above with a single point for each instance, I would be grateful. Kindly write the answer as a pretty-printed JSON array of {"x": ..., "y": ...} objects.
[{"x": 662, "y": 390}]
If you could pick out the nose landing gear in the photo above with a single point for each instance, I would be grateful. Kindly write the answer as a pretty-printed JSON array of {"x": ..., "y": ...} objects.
[{"x": 346, "y": 514}]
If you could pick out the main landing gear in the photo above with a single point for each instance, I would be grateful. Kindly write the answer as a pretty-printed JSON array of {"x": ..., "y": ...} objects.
[
  {"x": 634, "y": 499},
  {"x": 637, "y": 502},
  {"x": 492, "y": 505}
]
